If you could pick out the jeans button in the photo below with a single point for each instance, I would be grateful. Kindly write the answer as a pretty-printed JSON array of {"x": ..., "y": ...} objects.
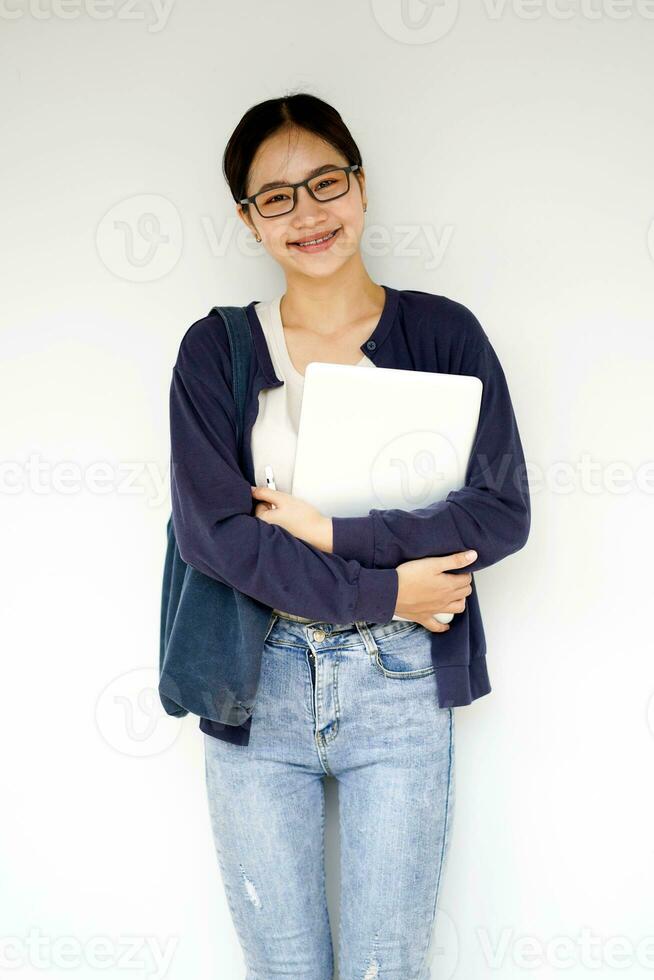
[{"x": 319, "y": 635}]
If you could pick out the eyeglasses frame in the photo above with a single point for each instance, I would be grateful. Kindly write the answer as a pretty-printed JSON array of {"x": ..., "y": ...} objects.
[{"x": 301, "y": 183}]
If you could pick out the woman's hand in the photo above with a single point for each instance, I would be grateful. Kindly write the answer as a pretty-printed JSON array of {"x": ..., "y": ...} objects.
[
  {"x": 298, "y": 516},
  {"x": 428, "y": 584}
]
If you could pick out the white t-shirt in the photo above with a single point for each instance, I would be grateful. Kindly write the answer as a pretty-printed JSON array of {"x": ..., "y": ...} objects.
[{"x": 274, "y": 434}]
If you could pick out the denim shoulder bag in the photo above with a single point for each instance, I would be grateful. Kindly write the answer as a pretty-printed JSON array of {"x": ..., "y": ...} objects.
[{"x": 211, "y": 635}]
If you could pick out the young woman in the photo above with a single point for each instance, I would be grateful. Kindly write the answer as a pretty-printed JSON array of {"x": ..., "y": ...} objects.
[{"x": 344, "y": 688}]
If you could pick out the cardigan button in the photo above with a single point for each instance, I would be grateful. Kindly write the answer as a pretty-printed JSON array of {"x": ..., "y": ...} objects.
[{"x": 371, "y": 344}]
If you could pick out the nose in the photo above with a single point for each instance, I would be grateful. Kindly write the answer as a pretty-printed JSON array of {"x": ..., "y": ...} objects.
[{"x": 307, "y": 206}]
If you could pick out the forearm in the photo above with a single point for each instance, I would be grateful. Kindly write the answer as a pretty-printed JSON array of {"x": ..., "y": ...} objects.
[
  {"x": 466, "y": 519},
  {"x": 270, "y": 564}
]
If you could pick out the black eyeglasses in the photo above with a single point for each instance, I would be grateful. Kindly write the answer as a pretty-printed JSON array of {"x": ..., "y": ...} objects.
[{"x": 326, "y": 186}]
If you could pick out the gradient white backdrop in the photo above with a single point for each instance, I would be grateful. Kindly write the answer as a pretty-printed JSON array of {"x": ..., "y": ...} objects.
[{"x": 509, "y": 151}]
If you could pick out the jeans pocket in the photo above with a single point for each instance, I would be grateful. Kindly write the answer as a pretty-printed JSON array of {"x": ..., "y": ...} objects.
[{"x": 403, "y": 652}]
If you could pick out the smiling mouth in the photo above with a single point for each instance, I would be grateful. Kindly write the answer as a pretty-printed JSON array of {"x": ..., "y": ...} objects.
[{"x": 315, "y": 241}]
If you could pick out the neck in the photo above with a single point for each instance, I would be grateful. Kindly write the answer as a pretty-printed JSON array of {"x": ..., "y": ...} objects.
[{"x": 328, "y": 305}]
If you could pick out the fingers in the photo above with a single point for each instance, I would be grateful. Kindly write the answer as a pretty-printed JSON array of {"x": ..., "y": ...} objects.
[
  {"x": 456, "y": 607},
  {"x": 458, "y": 560},
  {"x": 434, "y": 626}
]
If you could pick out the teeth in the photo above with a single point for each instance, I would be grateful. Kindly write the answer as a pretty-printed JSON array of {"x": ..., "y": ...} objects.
[{"x": 315, "y": 241}]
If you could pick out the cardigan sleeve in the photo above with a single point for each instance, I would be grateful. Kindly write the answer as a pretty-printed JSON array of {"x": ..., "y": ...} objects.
[
  {"x": 217, "y": 533},
  {"x": 491, "y": 513}
]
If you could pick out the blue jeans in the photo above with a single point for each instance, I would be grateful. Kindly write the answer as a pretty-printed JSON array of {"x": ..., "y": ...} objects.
[{"x": 357, "y": 702}]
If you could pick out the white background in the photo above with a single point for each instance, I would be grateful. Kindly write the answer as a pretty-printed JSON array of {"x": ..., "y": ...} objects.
[{"x": 509, "y": 152}]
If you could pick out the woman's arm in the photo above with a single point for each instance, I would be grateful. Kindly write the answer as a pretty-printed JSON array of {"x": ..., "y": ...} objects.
[
  {"x": 212, "y": 507},
  {"x": 491, "y": 513}
]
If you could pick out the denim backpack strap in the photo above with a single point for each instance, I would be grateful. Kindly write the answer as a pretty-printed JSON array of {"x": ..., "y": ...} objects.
[{"x": 240, "y": 342}]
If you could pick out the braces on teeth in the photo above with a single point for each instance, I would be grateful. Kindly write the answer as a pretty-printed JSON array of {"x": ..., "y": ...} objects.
[{"x": 316, "y": 241}]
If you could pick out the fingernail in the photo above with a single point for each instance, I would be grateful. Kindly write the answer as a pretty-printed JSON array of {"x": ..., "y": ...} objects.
[{"x": 471, "y": 554}]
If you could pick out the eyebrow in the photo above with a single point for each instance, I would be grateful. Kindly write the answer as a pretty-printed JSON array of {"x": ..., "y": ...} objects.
[{"x": 286, "y": 183}]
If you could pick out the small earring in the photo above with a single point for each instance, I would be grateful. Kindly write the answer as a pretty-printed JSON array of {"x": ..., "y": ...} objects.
[
  {"x": 257, "y": 238},
  {"x": 365, "y": 207}
]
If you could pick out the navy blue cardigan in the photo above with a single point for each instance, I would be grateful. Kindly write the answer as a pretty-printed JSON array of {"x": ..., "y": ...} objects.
[{"x": 213, "y": 509}]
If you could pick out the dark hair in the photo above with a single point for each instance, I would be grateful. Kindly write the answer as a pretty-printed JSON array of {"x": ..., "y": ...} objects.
[{"x": 301, "y": 110}]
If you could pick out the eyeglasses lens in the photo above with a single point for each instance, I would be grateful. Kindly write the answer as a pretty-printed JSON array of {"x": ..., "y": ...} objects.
[{"x": 279, "y": 200}]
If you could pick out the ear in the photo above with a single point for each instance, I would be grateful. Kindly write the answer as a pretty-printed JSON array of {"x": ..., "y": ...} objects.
[
  {"x": 361, "y": 177},
  {"x": 245, "y": 216}
]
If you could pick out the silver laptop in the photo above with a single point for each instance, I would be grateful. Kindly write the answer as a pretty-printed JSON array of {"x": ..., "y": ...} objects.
[{"x": 383, "y": 438}]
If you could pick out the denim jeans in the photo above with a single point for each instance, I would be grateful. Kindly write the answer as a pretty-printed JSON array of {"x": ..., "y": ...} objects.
[{"x": 357, "y": 702}]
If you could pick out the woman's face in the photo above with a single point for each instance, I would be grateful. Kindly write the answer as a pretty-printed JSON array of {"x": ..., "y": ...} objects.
[{"x": 290, "y": 156}]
